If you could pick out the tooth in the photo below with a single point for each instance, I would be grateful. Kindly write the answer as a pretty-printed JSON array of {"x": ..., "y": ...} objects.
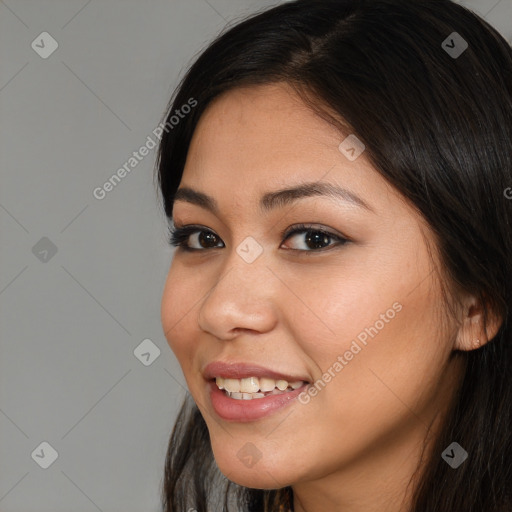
[
  {"x": 249, "y": 385},
  {"x": 232, "y": 385},
  {"x": 281, "y": 385},
  {"x": 267, "y": 384},
  {"x": 246, "y": 396},
  {"x": 236, "y": 395}
]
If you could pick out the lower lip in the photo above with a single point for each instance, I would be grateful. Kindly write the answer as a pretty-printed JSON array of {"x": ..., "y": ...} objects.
[{"x": 243, "y": 411}]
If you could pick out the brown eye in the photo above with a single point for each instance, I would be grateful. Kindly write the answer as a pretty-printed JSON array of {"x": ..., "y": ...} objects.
[
  {"x": 313, "y": 239},
  {"x": 201, "y": 238},
  {"x": 207, "y": 239},
  {"x": 310, "y": 239}
]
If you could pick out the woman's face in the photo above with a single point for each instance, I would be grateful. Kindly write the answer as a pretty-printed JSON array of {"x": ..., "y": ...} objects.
[{"x": 361, "y": 317}]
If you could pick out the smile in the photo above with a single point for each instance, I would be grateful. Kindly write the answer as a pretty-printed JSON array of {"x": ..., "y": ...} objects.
[{"x": 253, "y": 387}]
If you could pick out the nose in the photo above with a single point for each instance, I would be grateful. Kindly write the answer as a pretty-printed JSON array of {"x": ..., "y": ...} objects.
[{"x": 243, "y": 298}]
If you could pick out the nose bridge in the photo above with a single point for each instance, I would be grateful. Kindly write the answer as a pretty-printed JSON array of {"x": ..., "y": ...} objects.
[
  {"x": 245, "y": 267},
  {"x": 241, "y": 298}
]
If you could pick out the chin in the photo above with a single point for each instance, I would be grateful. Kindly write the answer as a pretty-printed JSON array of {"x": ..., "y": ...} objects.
[{"x": 243, "y": 467}]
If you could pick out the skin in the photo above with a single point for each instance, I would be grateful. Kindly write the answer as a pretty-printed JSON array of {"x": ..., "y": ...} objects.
[{"x": 356, "y": 444}]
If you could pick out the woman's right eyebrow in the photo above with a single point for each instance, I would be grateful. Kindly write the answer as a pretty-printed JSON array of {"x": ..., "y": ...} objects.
[{"x": 278, "y": 198}]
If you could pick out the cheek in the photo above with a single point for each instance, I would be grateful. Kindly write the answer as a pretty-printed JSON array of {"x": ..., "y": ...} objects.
[
  {"x": 387, "y": 359},
  {"x": 374, "y": 340},
  {"x": 177, "y": 313},
  {"x": 335, "y": 307},
  {"x": 370, "y": 294}
]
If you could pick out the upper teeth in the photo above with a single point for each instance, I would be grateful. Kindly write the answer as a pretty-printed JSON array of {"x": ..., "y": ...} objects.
[{"x": 255, "y": 384}]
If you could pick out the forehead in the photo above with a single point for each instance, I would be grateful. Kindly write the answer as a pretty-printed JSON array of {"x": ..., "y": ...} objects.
[
  {"x": 261, "y": 123},
  {"x": 260, "y": 133},
  {"x": 252, "y": 140}
]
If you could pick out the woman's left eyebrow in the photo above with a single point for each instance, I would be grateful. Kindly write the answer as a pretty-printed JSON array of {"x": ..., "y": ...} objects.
[{"x": 284, "y": 197}]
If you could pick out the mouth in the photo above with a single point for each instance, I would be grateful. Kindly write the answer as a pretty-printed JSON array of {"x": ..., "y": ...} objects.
[
  {"x": 254, "y": 388},
  {"x": 244, "y": 392}
]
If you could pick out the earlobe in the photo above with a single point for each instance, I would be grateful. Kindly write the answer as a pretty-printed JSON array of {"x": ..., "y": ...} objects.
[{"x": 472, "y": 333}]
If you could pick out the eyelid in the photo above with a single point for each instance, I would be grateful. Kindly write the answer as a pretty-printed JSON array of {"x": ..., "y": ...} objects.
[
  {"x": 298, "y": 228},
  {"x": 285, "y": 233}
]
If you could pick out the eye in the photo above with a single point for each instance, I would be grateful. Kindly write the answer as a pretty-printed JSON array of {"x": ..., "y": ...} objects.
[
  {"x": 203, "y": 238},
  {"x": 198, "y": 238},
  {"x": 313, "y": 239}
]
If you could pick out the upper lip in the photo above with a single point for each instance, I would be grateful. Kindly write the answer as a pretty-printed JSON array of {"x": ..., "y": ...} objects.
[{"x": 239, "y": 370}]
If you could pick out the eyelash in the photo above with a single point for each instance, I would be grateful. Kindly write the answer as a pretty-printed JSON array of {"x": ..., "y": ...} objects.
[{"x": 178, "y": 237}]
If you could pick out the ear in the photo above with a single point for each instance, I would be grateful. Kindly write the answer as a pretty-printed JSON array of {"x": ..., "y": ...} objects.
[{"x": 472, "y": 333}]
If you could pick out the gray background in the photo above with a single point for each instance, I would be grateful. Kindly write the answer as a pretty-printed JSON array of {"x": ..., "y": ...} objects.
[{"x": 71, "y": 321}]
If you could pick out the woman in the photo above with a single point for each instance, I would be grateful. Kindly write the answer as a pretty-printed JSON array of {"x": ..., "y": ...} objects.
[{"x": 340, "y": 296}]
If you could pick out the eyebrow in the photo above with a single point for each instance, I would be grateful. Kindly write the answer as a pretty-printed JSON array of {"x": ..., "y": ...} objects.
[{"x": 277, "y": 198}]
